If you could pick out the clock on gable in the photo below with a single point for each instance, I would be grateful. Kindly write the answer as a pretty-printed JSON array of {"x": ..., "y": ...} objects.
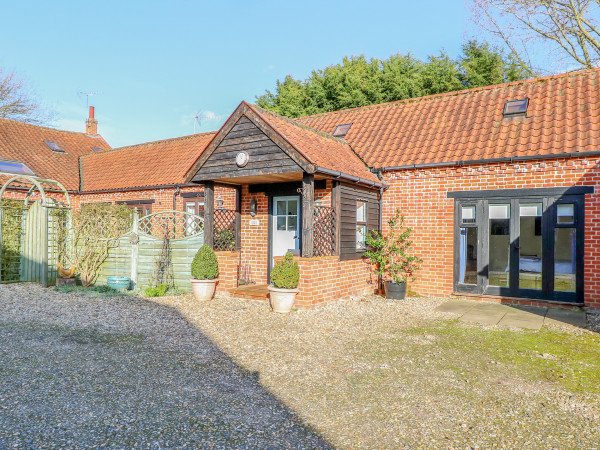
[{"x": 242, "y": 158}]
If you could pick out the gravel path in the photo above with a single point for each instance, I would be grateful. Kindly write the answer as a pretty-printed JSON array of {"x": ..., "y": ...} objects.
[{"x": 229, "y": 373}]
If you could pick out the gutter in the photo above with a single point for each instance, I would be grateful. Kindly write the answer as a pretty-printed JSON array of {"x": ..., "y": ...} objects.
[
  {"x": 141, "y": 188},
  {"x": 510, "y": 159},
  {"x": 351, "y": 178}
]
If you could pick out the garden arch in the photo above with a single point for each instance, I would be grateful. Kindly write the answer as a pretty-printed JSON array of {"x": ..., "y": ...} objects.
[{"x": 30, "y": 242}]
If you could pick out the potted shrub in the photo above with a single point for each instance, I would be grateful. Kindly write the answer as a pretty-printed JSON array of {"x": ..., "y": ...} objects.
[
  {"x": 390, "y": 256},
  {"x": 285, "y": 277},
  {"x": 205, "y": 270}
]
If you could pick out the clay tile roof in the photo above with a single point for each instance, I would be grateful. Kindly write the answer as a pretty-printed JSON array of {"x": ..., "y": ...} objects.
[
  {"x": 563, "y": 117},
  {"x": 156, "y": 163},
  {"x": 25, "y": 143},
  {"x": 318, "y": 147}
]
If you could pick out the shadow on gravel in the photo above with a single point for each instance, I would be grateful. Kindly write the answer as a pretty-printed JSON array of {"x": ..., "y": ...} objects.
[{"x": 164, "y": 385}]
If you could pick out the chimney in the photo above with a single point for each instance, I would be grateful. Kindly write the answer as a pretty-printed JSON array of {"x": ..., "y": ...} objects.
[{"x": 91, "y": 124}]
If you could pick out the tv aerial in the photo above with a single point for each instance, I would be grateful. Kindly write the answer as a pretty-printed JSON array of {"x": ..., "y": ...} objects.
[
  {"x": 198, "y": 120},
  {"x": 87, "y": 96}
]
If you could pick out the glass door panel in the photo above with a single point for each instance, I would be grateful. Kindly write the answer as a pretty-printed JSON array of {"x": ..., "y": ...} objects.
[
  {"x": 564, "y": 259},
  {"x": 468, "y": 256},
  {"x": 530, "y": 246},
  {"x": 499, "y": 245}
]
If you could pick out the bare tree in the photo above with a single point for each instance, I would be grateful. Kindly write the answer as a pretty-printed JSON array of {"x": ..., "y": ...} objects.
[
  {"x": 17, "y": 103},
  {"x": 569, "y": 29}
]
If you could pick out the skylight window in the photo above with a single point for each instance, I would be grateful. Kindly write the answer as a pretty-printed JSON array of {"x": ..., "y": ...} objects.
[
  {"x": 516, "y": 107},
  {"x": 97, "y": 149},
  {"x": 342, "y": 130},
  {"x": 54, "y": 147},
  {"x": 15, "y": 167}
]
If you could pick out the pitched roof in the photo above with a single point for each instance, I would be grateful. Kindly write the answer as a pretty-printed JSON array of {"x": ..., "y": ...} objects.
[
  {"x": 25, "y": 142},
  {"x": 317, "y": 147},
  {"x": 156, "y": 163},
  {"x": 563, "y": 117}
]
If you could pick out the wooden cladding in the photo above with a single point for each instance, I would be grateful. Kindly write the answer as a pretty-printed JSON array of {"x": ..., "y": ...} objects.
[
  {"x": 348, "y": 197},
  {"x": 266, "y": 157}
]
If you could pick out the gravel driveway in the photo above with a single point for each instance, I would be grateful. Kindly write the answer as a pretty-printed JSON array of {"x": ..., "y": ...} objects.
[{"x": 169, "y": 372}]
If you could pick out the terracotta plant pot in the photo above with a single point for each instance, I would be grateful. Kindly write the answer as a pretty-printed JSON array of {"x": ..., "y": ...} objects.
[
  {"x": 282, "y": 300},
  {"x": 203, "y": 290}
]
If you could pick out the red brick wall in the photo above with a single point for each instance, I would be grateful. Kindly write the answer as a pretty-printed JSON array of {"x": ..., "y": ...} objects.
[
  {"x": 325, "y": 279},
  {"x": 163, "y": 198},
  {"x": 228, "y": 271},
  {"x": 255, "y": 238},
  {"x": 421, "y": 195}
]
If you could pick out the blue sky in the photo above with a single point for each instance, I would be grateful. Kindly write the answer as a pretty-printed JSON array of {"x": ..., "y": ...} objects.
[{"x": 156, "y": 64}]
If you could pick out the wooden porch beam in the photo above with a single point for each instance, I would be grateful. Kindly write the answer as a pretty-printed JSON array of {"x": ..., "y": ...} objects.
[
  {"x": 209, "y": 213},
  {"x": 308, "y": 205}
]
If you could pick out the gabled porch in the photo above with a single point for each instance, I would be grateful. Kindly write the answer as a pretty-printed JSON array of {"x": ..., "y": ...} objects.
[{"x": 287, "y": 201}]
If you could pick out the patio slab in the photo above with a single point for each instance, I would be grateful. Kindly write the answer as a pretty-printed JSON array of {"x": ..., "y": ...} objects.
[
  {"x": 522, "y": 319},
  {"x": 573, "y": 317},
  {"x": 457, "y": 306},
  {"x": 484, "y": 316},
  {"x": 529, "y": 317}
]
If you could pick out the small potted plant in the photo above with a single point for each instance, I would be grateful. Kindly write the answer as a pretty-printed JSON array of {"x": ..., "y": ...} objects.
[
  {"x": 205, "y": 272},
  {"x": 390, "y": 256},
  {"x": 285, "y": 277}
]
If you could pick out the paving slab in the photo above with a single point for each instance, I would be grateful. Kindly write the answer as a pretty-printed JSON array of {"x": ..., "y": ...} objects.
[
  {"x": 485, "y": 316},
  {"x": 522, "y": 319},
  {"x": 457, "y": 306},
  {"x": 561, "y": 316}
]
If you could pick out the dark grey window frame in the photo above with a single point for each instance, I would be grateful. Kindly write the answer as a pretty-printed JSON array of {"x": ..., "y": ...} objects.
[{"x": 550, "y": 198}]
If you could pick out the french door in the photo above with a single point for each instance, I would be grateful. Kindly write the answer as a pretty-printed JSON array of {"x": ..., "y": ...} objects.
[{"x": 530, "y": 247}]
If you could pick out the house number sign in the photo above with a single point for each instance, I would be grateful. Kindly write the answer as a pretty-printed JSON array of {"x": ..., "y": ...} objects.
[{"x": 242, "y": 158}]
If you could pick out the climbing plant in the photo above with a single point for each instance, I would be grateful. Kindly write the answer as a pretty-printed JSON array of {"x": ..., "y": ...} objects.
[
  {"x": 95, "y": 230},
  {"x": 13, "y": 213}
]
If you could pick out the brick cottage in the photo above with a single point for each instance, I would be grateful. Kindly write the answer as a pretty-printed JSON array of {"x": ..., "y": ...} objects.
[{"x": 499, "y": 184}]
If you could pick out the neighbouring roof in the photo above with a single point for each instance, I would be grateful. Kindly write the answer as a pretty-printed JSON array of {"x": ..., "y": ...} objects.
[
  {"x": 25, "y": 143},
  {"x": 563, "y": 116},
  {"x": 317, "y": 147},
  {"x": 156, "y": 163}
]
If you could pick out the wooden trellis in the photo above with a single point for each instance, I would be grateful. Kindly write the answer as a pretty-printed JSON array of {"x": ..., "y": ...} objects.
[{"x": 324, "y": 231}]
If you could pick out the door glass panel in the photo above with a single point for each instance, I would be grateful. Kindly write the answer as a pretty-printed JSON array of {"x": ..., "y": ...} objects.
[
  {"x": 499, "y": 245},
  {"x": 292, "y": 207},
  {"x": 564, "y": 259},
  {"x": 281, "y": 209},
  {"x": 565, "y": 213},
  {"x": 468, "y": 256},
  {"x": 292, "y": 223},
  {"x": 530, "y": 246},
  {"x": 281, "y": 223}
]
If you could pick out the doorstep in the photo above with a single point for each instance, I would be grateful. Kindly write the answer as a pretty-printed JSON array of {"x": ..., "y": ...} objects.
[{"x": 252, "y": 291}]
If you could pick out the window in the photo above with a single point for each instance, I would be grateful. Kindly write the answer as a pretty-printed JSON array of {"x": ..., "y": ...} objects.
[
  {"x": 15, "y": 167},
  {"x": 144, "y": 207},
  {"x": 361, "y": 225},
  {"x": 342, "y": 130},
  {"x": 97, "y": 149},
  {"x": 516, "y": 107},
  {"x": 54, "y": 147},
  {"x": 194, "y": 206},
  {"x": 526, "y": 243}
]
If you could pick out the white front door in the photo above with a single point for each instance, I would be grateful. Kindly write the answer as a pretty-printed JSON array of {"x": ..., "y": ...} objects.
[{"x": 286, "y": 221}]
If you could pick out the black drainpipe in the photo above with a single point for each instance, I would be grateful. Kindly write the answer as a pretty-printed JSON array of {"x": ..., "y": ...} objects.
[
  {"x": 175, "y": 194},
  {"x": 380, "y": 176}
]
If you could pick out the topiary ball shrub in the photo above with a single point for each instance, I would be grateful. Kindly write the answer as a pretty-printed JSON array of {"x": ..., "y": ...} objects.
[
  {"x": 286, "y": 273},
  {"x": 205, "y": 265}
]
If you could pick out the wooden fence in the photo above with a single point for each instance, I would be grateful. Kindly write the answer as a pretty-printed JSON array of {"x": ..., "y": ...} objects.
[{"x": 169, "y": 238}]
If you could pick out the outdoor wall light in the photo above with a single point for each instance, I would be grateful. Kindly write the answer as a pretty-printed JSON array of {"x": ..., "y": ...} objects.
[
  {"x": 219, "y": 202},
  {"x": 253, "y": 207}
]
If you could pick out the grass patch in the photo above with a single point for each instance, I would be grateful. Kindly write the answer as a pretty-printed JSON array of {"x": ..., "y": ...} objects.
[
  {"x": 92, "y": 291},
  {"x": 573, "y": 361}
]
